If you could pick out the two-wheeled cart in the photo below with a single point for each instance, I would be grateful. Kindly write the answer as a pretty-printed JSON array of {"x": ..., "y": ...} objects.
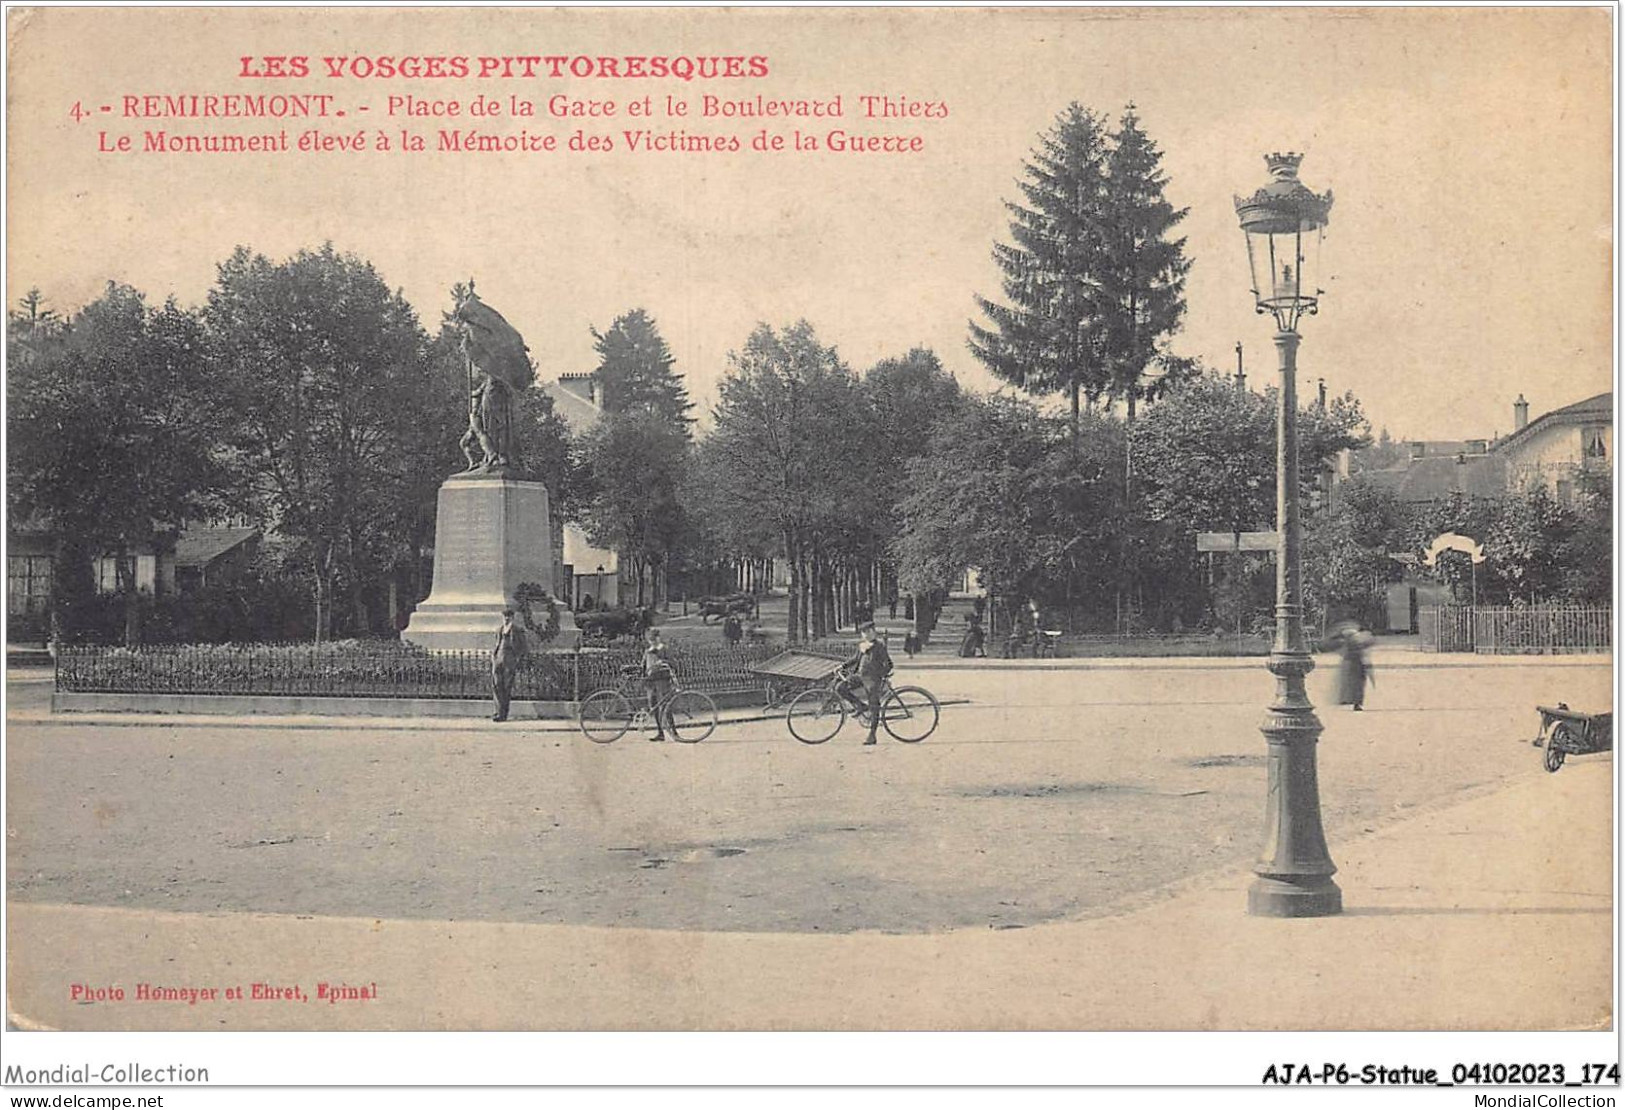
[{"x": 1564, "y": 732}]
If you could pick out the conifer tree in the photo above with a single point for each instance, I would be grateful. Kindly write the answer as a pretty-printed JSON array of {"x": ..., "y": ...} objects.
[
  {"x": 635, "y": 371},
  {"x": 1141, "y": 295},
  {"x": 1046, "y": 338},
  {"x": 1093, "y": 283}
]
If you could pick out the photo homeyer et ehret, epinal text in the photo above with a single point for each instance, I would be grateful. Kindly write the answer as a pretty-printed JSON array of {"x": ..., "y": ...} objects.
[{"x": 774, "y": 519}]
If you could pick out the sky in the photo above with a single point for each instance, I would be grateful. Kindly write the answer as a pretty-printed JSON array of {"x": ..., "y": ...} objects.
[{"x": 1468, "y": 257}]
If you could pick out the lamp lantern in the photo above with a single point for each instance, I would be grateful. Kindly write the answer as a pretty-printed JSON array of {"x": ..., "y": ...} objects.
[{"x": 1285, "y": 222}]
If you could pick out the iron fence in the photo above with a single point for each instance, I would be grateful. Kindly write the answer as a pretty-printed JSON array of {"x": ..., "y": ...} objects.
[
  {"x": 382, "y": 670},
  {"x": 1527, "y": 630},
  {"x": 1542, "y": 631},
  {"x": 1445, "y": 628}
]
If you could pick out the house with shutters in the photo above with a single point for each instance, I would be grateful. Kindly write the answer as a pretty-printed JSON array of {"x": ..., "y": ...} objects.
[
  {"x": 1557, "y": 451},
  {"x": 1561, "y": 450}
]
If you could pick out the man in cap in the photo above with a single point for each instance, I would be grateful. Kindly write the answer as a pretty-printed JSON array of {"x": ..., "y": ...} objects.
[
  {"x": 505, "y": 657},
  {"x": 867, "y": 670}
]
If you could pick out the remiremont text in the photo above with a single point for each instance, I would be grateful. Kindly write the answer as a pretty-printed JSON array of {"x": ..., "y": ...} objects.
[{"x": 682, "y": 67}]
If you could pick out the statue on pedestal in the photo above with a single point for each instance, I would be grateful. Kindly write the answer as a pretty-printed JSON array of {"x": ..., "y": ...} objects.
[
  {"x": 493, "y": 536},
  {"x": 498, "y": 363}
]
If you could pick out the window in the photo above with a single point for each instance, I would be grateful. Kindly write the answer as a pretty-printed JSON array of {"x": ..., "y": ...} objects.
[
  {"x": 1595, "y": 444},
  {"x": 107, "y": 573},
  {"x": 28, "y": 585}
]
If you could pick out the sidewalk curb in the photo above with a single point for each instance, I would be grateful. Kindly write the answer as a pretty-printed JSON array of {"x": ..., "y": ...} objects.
[
  {"x": 460, "y": 725},
  {"x": 1395, "y": 661}
]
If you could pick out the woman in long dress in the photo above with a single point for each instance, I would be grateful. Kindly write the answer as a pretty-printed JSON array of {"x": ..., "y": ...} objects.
[{"x": 1355, "y": 668}]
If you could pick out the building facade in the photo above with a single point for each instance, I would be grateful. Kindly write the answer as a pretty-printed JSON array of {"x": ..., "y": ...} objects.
[
  {"x": 1562, "y": 449},
  {"x": 1557, "y": 452}
]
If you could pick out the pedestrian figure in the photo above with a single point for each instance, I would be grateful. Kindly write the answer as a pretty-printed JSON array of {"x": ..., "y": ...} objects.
[
  {"x": 658, "y": 677},
  {"x": 911, "y": 645},
  {"x": 867, "y": 672},
  {"x": 505, "y": 659},
  {"x": 732, "y": 630},
  {"x": 891, "y": 607},
  {"x": 1354, "y": 670},
  {"x": 974, "y": 641}
]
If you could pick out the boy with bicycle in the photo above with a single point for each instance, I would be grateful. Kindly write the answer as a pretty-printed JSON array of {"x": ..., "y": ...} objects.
[
  {"x": 660, "y": 681},
  {"x": 868, "y": 670}
]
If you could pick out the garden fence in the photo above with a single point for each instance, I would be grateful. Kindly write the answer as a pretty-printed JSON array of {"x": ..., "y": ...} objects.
[{"x": 1527, "y": 630}]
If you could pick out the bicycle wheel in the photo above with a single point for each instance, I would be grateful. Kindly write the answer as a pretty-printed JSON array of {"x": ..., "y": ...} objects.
[
  {"x": 910, "y": 713},
  {"x": 815, "y": 715},
  {"x": 693, "y": 716},
  {"x": 605, "y": 716}
]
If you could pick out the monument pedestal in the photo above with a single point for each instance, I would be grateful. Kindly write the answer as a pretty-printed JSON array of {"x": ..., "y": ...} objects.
[{"x": 491, "y": 534}]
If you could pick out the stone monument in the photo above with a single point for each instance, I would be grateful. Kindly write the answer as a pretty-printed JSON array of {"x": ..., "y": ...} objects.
[{"x": 493, "y": 536}]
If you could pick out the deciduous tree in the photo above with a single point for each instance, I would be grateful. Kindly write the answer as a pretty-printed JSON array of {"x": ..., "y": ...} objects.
[
  {"x": 112, "y": 425},
  {"x": 634, "y": 465},
  {"x": 332, "y": 392},
  {"x": 788, "y": 452}
]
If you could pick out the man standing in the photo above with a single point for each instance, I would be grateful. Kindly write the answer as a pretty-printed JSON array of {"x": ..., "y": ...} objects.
[
  {"x": 505, "y": 659},
  {"x": 868, "y": 670},
  {"x": 659, "y": 680}
]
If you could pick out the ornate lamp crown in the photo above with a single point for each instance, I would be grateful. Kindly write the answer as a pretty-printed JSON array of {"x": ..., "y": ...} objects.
[
  {"x": 1285, "y": 204},
  {"x": 1284, "y": 167}
]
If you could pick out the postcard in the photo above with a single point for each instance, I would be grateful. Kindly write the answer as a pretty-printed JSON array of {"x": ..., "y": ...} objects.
[{"x": 1083, "y": 520}]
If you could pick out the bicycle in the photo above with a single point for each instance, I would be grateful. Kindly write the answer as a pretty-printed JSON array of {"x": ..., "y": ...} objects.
[
  {"x": 606, "y": 715},
  {"x": 908, "y": 713}
]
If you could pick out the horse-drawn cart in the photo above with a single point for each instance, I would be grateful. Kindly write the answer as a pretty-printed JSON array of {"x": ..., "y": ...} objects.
[
  {"x": 1563, "y": 733},
  {"x": 734, "y": 605}
]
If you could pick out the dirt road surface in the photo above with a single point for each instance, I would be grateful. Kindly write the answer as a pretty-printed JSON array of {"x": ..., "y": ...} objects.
[{"x": 1052, "y": 795}]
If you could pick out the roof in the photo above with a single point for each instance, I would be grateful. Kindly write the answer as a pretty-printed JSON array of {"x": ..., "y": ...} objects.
[
  {"x": 1590, "y": 411},
  {"x": 1447, "y": 448},
  {"x": 1433, "y": 479},
  {"x": 198, "y": 547},
  {"x": 578, "y": 413}
]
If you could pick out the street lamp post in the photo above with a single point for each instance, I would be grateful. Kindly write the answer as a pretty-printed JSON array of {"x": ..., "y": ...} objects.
[
  {"x": 599, "y": 582},
  {"x": 1284, "y": 222}
]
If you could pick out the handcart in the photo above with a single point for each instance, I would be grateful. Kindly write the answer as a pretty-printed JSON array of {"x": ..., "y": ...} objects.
[
  {"x": 790, "y": 672},
  {"x": 1564, "y": 732}
]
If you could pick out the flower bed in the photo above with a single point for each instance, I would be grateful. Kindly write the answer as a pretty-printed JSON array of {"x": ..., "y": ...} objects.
[{"x": 380, "y": 669}]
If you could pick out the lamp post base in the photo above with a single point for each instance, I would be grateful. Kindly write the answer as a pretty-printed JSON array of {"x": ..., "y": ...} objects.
[
  {"x": 1294, "y": 870},
  {"x": 1311, "y": 896}
]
